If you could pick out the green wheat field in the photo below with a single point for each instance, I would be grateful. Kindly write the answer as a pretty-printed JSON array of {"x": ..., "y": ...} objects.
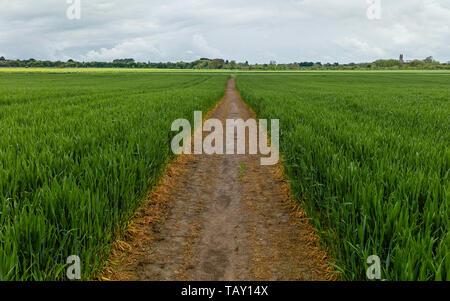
[{"x": 367, "y": 155}]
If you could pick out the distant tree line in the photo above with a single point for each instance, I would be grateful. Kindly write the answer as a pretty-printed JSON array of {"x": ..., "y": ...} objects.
[{"x": 205, "y": 63}]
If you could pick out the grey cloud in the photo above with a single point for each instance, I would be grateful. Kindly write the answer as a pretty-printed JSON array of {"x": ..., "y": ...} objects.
[{"x": 253, "y": 30}]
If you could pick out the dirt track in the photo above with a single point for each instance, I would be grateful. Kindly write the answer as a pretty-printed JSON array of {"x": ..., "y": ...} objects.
[{"x": 220, "y": 217}]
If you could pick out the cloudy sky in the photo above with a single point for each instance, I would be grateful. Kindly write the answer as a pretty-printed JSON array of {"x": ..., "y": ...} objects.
[{"x": 254, "y": 30}]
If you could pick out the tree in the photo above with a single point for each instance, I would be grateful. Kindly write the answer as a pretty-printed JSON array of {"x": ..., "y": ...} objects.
[
  {"x": 416, "y": 63},
  {"x": 306, "y": 64},
  {"x": 2, "y": 59},
  {"x": 216, "y": 64},
  {"x": 429, "y": 59},
  {"x": 387, "y": 63},
  {"x": 124, "y": 61}
]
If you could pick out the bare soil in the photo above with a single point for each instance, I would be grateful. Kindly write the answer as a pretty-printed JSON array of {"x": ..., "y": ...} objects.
[{"x": 220, "y": 217}]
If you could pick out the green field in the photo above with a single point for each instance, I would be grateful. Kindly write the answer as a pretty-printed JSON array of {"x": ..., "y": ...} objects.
[
  {"x": 369, "y": 156},
  {"x": 78, "y": 152}
]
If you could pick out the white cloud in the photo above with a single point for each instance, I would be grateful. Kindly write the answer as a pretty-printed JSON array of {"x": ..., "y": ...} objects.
[
  {"x": 138, "y": 48},
  {"x": 352, "y": 44},
  {"x": 203, "y": 47},
  {"x": 401, "y": 35}
]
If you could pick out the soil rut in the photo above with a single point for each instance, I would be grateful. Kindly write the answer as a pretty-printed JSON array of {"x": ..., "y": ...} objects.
[{"x": 220, "y": 217}]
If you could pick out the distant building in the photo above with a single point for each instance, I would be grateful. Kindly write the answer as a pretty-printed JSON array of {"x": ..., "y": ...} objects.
[{"x": 403, "y": 61}]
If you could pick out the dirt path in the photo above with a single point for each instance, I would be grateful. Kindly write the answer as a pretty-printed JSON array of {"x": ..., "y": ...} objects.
[{"x": 220, "y": 218}]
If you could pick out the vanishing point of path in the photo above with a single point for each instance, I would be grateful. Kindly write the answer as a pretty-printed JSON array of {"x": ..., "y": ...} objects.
[{"x": 220, "y": 217}]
